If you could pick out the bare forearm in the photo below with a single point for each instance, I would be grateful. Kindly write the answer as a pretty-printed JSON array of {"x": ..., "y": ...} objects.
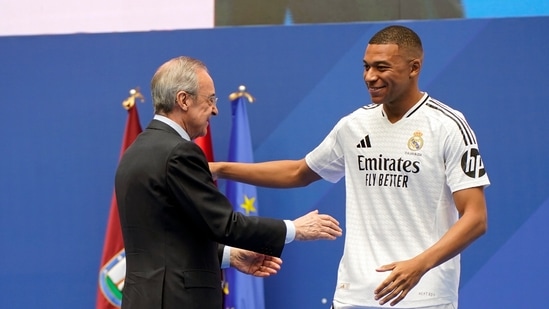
[
  {"x": 406, "y": 274},
  {"x": 471, "y": 225},
  {"x": 275, "y": 174},
  {"x": 457, "y": 239}
]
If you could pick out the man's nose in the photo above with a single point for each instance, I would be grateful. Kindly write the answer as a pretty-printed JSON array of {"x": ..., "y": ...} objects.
[{"x": 370, "y": 75}]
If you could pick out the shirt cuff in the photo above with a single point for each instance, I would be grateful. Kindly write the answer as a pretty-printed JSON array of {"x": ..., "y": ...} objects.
[
  {"x": 226, "y": 260},
  {"x": 290, "y": 231}
]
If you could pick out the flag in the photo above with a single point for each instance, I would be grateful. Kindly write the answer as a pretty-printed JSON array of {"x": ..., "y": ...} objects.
[
  {"x": 244, "y": 291},
  {"x": 205, "y": 143},
  {"x": 113, "y": 261}
]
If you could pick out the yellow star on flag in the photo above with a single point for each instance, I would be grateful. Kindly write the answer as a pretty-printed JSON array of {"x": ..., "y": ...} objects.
[{"x": 248, "y": 205}]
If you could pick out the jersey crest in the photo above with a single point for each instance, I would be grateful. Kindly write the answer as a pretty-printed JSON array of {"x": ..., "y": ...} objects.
[{"x": 415, "y": 142}]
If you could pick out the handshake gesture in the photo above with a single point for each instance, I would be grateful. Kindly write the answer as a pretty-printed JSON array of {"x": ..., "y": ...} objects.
[
  {"x": 315, "y": 226},
  {"x": 312, "y": 226}
]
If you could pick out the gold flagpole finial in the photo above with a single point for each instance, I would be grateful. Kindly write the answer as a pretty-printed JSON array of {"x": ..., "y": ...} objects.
[
  {"x": 241, "y": 93},
  {"x": 130, "y": 101}
]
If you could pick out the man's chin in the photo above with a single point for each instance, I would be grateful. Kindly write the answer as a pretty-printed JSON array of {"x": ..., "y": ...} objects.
[
  {"x": 203, "y": 133},
  {"x": 377, "y": 100}
]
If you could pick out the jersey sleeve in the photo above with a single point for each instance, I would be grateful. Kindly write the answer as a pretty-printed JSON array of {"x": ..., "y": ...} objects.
[
  {"x": 464, "y": 165},
  {"x": 327, "y": 159}
]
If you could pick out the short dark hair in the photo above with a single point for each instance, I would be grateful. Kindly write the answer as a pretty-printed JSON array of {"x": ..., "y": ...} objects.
[{"x": 402, "y": 36}]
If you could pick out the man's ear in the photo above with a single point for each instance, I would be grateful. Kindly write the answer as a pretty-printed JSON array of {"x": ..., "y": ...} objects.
[
  {"x": 181, "y": 100},
  {"x": 415, "y": 67}
]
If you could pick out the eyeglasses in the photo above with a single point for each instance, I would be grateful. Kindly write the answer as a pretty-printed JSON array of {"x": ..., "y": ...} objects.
[{"x": 212, "y": 99}]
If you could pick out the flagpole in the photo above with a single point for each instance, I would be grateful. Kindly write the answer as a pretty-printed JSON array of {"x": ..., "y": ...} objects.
[
  {"x": 135, "y": 93},
  {"x": 241, "y": 93}
]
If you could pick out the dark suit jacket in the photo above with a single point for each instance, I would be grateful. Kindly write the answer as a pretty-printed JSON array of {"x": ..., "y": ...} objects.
[{"x": 173, "y": 217}]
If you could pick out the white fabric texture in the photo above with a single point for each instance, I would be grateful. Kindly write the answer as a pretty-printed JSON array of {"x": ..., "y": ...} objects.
[{"x": 399, "y": 183}]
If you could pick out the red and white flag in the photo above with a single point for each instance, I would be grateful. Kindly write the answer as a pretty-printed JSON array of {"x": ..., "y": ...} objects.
[{"x": 113, "y": 261}]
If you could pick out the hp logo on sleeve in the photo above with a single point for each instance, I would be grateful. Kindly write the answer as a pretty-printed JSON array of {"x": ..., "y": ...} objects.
[{"x": 471, "y": 163}]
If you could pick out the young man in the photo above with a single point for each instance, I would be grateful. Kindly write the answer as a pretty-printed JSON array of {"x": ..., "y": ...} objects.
[{"x": 414, "y": 181}]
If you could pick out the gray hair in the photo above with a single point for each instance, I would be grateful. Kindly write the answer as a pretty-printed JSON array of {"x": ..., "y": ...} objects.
[{"x": 177, "y": 74}]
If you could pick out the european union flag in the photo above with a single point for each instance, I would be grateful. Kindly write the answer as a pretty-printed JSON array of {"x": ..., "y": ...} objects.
[{"x": 244, "y": 291}]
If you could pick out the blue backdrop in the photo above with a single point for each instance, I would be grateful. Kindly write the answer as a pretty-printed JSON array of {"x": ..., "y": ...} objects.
[{"x": 62, "y": 125}]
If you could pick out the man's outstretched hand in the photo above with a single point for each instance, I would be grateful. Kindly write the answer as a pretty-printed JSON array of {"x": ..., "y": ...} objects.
[
  {"x": 315, "y": 226},
  {"x": 253, "y": 263}
]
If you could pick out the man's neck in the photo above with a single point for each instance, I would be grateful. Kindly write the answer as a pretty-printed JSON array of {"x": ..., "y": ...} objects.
[{"x": 397, "y": 109}]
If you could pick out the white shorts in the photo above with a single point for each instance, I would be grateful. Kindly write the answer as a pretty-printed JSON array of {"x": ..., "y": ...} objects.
[{"x": 336, "y": 305}]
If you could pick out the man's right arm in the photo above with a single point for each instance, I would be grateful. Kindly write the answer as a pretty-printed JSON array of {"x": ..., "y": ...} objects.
[
  {"x": 316, "y": 226},
  {"x": 274, "y": 174}
]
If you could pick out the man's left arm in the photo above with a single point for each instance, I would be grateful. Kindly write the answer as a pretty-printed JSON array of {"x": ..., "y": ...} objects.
[
  {"x": 471, "y": 205},
  {"x": 473, "y": 223},
  {"x": 249, "y": 262}
]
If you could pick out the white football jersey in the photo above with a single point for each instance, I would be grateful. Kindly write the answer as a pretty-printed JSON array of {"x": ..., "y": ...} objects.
[{"x": 399, "y": 183}]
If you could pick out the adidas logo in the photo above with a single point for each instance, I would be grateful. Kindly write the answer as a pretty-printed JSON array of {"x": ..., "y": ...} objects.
[{"x": 364, "y": 143}]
